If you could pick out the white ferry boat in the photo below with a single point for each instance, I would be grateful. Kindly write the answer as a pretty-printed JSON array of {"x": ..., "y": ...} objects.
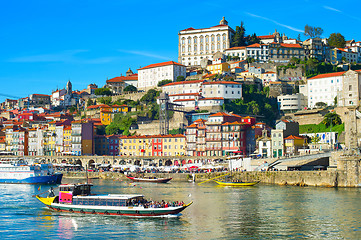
[{"x": 12, "y": 171}]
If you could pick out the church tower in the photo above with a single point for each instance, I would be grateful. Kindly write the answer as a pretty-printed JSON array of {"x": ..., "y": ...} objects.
[
  {"x": 223, "y": 22},
  {"x": 69, "y": 88}
]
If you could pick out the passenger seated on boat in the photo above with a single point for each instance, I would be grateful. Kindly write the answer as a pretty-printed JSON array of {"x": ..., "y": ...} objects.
[{"x": 51, "y": 192}]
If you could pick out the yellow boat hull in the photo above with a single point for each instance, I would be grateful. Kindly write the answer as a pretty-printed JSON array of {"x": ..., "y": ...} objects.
[
  {"x": 47, "y": 200},
  {"x": 236, "y": 184}
]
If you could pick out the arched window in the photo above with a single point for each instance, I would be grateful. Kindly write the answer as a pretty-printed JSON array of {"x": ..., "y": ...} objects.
[
  {"x": 224, "y": 45},
  {"x": 218, "y": 38},
  {"x": 201, "y": 47},
  {"x": 212, "y": 46},
  {"x": 189, "y": 48},
  {"x": 224, "y": 37},
  {"x": 207, "y": 39},
  {"x": 195, "y": 48},
  {"x": 189, "y": 41},
  {"x": 195, "y": 40},
  {"x": 183, "y": 49},
  {"x": 212, "y": 38},
  {"x": 218, "y": 46},
  {"x": 183, "y": 40}
]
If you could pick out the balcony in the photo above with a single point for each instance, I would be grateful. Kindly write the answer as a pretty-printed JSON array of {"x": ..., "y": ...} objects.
[
  {"x": 214, "y": 148},
  {"x": 213, "y": 139}
]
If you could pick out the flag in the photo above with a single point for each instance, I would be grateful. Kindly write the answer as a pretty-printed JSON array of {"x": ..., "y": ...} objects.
[{"x": 39, "y": 188}]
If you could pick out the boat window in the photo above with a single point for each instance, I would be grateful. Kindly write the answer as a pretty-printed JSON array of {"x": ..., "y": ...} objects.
[
  {"x": 85, "y": 201},
  {"x": 91, "y": 201},
  {"x": 96, "y": 202},
  {"x": 110, "y": 202},
  {"x": 103, "y": 202},
  {"x": 122, "y": 202}
]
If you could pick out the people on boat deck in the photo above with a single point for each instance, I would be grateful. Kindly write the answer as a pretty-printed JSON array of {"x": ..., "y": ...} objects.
[{"x": 155, "y": 204}]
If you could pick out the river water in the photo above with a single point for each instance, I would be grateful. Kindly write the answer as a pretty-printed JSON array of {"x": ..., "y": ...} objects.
[{"x": 259, "y": 212}]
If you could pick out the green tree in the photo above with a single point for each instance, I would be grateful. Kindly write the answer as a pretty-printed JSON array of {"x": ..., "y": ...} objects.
[
  {"x": 320, "y": 104},
  {"x": 336, "y": 40},
  {"x": 252, "y": 39},
  {"x": 150, "y": 96},
  {"x": 315, "y": 139},
  {"x": 103, "y": 91},
  {"x": 130, "y": 88},
  {"x": 332, "y": 119},
  {"x": 313, "y": 32},
  {"x": 164, "y": 82},
  {"x": 105, "y": 100},
  {"x": 180, "y": 78},
  {"x": 238, "y": 38},
  {"x": 89, "y": 102},
  {"x": 120, "y": 124}
]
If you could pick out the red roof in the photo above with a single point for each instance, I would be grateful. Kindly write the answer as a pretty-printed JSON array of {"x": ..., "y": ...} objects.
[
  {"x": 221, "y": 82},
  {"x": 256, "y": 45},
  {"x": 327, "y": 75},
  {"x": 294, "y": 137},
  {"x": 189, "y": 29},
  {"x": 183, "y": 82},
  {"x": 133, "y": 77},
  {"x": 265, "y": 37},
  {"x": 236, "y": 48},
  {"x": 161, "y": 64},
  {"x": 288, "y": 45},
  {"x": 220, "y": 114}
]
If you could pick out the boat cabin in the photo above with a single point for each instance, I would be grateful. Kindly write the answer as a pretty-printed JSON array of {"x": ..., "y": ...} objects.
[{"x": 68, "y": 191}]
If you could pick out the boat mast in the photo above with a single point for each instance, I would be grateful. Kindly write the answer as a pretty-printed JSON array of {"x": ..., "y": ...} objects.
[{"x": 86, "y": 173}]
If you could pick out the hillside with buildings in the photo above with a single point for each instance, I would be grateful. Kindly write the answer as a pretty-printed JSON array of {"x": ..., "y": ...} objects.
[{"x": 222, "y": 97}]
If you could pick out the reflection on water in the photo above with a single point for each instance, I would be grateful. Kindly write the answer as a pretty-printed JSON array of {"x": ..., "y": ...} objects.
[{"x": 260, "y": 212}]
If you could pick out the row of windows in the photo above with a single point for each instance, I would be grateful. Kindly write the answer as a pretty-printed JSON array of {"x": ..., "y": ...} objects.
[
  {"x": 201, "y": 47},
  {"x": 201, "y": 39}
]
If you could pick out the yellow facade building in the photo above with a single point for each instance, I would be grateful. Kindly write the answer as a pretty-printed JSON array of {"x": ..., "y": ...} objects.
[
  {"x": 107, "y": 113},
  {"x": 218, "y": 68}
]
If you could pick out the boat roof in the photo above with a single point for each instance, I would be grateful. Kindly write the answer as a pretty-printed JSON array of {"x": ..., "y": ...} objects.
[
  {"x": 76, "y": 184},
  {"x": 111, "y": 196}
]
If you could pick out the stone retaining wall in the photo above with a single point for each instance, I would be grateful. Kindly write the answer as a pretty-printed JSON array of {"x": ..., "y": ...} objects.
[{"x": 297, "y": 178}]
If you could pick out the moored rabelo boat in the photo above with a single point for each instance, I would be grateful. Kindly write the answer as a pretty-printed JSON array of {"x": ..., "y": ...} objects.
[
  {"x": 151, "y": 180},
  {"x": 78, "y": 198},
  {"x": 236, "y": 184}
]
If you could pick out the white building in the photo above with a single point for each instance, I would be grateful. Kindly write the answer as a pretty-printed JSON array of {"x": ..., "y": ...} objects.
[
  {"x": 324, "y": 88},
  {"x": 240, "y": 52},
  {"x": 149, "y": 76},
  {"x": 199, "y": 93},
  {"x": 292, "y": 103},
  {"x": 197, "y": 44},
  {"x": 259, "y": 52},
  {"x": 222, "y": 89}
]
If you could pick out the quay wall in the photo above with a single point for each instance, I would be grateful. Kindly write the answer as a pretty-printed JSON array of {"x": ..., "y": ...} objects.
[{"x": 295, "y": 178}]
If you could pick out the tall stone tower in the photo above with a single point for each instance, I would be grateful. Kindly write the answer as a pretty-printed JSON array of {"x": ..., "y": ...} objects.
[
  {"x": 69, "y": 88},
  {"x": 350, "y": 99}
]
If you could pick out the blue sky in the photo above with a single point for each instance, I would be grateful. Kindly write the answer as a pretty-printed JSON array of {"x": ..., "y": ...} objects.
[{"x": 46, "y": 43}]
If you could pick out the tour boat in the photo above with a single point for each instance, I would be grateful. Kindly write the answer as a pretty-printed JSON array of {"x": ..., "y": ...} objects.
[
  {"x": 151, "y": 180},
  {"x": 77, "y": 198},
  {"x": 236, "y": 184},
  {"x": 22, "y": 172}
]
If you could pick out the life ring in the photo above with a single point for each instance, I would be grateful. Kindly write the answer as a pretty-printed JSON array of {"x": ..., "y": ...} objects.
[
  {"x": 106, "y": 212},
  {"x": 118, "y": 212},
  {"x": 82, "y": 211},
  {"x": 93, "y": 212}
]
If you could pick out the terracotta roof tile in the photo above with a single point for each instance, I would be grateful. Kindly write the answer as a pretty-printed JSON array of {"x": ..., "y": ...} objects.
[
  {"x": 161, "y": 64},
  {"x": 327, "y": 75}
]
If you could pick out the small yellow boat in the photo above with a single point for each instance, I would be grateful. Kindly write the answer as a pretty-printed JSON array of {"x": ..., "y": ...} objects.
[{"x": 236, "y": 184}]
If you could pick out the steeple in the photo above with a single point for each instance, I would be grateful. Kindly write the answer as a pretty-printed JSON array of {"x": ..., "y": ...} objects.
[
  {"x": 129, "y": 72},
  {"x": 223, "y": 22},
  {"x": 69, "y": 88}
]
